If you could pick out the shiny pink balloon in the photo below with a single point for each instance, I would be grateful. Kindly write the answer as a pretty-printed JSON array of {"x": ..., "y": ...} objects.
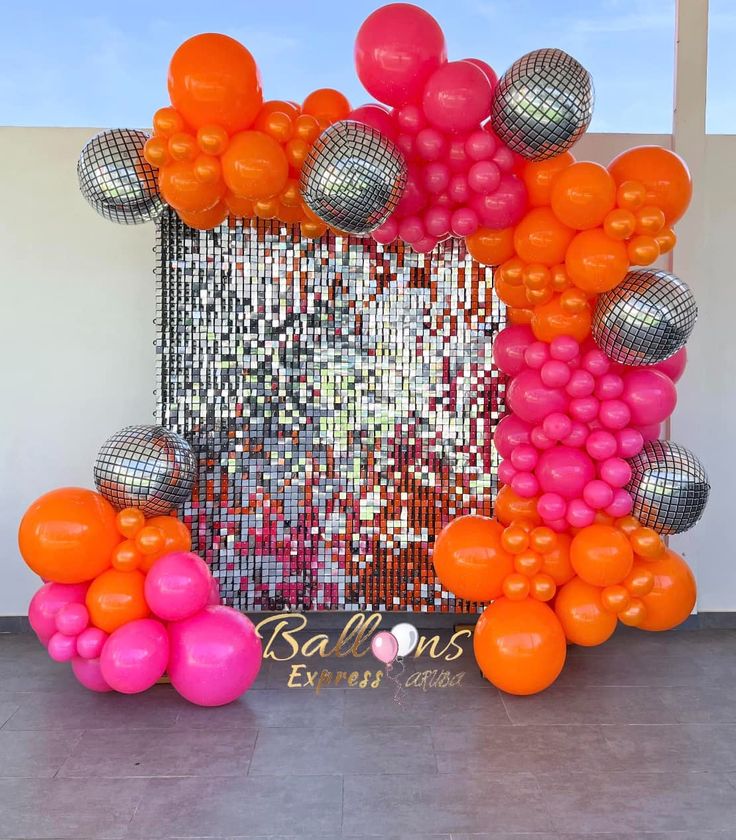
[
  {"x": 72, "y": 619},
  {"x": 622, "y": 504},
  {"x": 135, "y": 656},
  {"x": 484, "y": 177},
  {"x": 505, "y": 206},
  {"x": 596, "y": 362},
  {"x": 578, "y": 434},
  {"x": 457, "y": 97},
  {"x": 387, "y": 232},
  {"x": 614, "y": 414},
  {"x": 215, "y": 656},
  {"x": 424, "y": 245},
  {"x": 376, "y": 116},
  {"x": 89, "y": 674},
  {"x": 464, "y": 222},
  {"x": 47, "y": 602},
  {"x": 579, "y": 514},
  {"x": 437, "y": 220},
  {"x": 531, "y": 399},
  {"x": 581, "y": 384},
  {"x": 584, "y": 409},
  {"x": 177, "y": 585},
  {"x": 480, "y": 145},
  {"x": 487, "y": 70},
  {"x": 557, "y": 425},
  {"x": 555, "y": 374},
  {"x": 384, "y": 647},
  {"x": 511, "y": 432},
  {"x": 214, "y": 596},
  {"x": 651, "y": 432},
  {"x": 551, "y": 506},
  {"x": 629, "y": 442},
  {"x": 525, "y": 484},
  {"x": 411, "y": 229},
  {"x": 62, "y": 648},
  {"x": 673, "y": 367},
  {"x": 615, "y": 471},
  {"x": 430, "y": 144},
  {"x": 436, "y": 177},
  {"x": 564, "y": 470},
  {"x": 650, "y": 395},
  {"x": 458, "y": 189},
  {"x": 525, "y": 456},
  {"x": 90, "y": 642},
  {"x": 414, "y": 197},
  {"x": 564, "y": 348},
  {"x": 598, "y": 494},
  {"x": 601, "y": 445},
  {"x": 509, "y": 347},
  {"x": 410, "y": 119}
]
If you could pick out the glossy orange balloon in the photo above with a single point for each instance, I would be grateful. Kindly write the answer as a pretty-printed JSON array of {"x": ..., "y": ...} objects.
[
  {"x": 666, "y": 239},
  {"x": 126, "y": 557},
  {"x": 640, "y": 580},
  {"x": 536, "y": 276},
  {"x": 206, "y": 219},
  {"x": 207, "y": 168},
  {"x": 241, "y": 207},
  {"x": 619, "y": 223},
  {"x": 558, "y": 278},
  {"x": 516, "y": 587},
  {"x": 491, "y": 247},
  {"x": 327, "y": 103},
  {"x": 631, "y": 195},
  {"x": 519, "y": 315},
  {"x": 509, "y": 506},
  {"x": 271, "y": 106},
  {"x": 543, "y": 587},
  {"x": 213, "y": 79},
  {"x": 539, "y": 175},
  {"x": 296, "y": 152},
  {"x": 540, "y": 237},
  {"x": 582, "y": 195},
  {"x": 156, "y": 151},
  {"x": 649, "y": 220},
  {"x": 511, "y": 294},
  {"x": 307, "y": 128},
  {"x": 167, "y": 121},
  {"x": 68, "y": 535},
  {"x": 673, "y": 596},
  {"x": 276, "y": 123},
  {"x": 634, "y": 614},
  {"x": 573, "y": 301},
  {"x": 646, "y": 542},
  {"x": 176, "y": 538},
  {"x": 615, "y": 598},
  {"x": 552, "y": 319},
  {"x": 601, "y": 555},
  {"x": 184, "y": 191},
  {"x": 254, "y": 166},
  {"x": 129, "y": 521},
  {"x": 664, "y": 174},
  {"x": 556, "y": 563},
  {"x": 543, "y": 540},
  {"x": 642, "y": 250},
  {"x": 581, "y": 613},
  {"x": 519, "y": 645},
  {"x": 596, "y": 263},
  {"x": 528, "y": 562},
  {"x": 115, "y": 598},
  {"x": 514, "y": 539},
  {"x": 212, "y": 139},
  {"x": 469, "y": 560},
  {"x": 183, "y": 146}
]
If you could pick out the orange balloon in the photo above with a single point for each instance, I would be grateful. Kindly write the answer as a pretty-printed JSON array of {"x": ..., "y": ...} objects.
[
  {"x": 181, "y": 188},
  {"x": 631, "y": 195},
  {"x": 129, "y": 521},
  {"x": 543, "y": 539},
  {"x": 634, "y": 614},
  {"x": 512, "y": 271},
  {"x": 552, "y": 319},
  {"x": 176, "y": 538},
  {"x": 205, "y": 219},
  {"x": 666, "y": 239},
  {"x": 510, "y": 293},
  {"x": 508, "y": 507},
  {"x": 519, "y": 645},
  {"x": 241, "y": 207},
  {"x": 514, "y": 539},
  {"x": 528, "y": 562},
  {"x": 582, "y": 195},
  {"x": 491, "y": 247},
  {"x": 254, "y": 166},
  {"x": 536, "y": 276},
  {"x": 579, "y": 608},
  {"x": 156, "y": 151},
  {"x": 619, "y": 223},
  {"x": 296, "y": 152},
  {"x": 307, "y": 128},
  {"x": 469, "y": 560},
  {"x": 556, "y": 563},
  {"x": 519, "y": 315},
  {"x": 68, "y": 535},
  {"x": 558, "y": 278},
  {"x": 270, "y": 106},
  {"x": 207, "y": 168},
  {"x": 673, "y": 596},
  {"x": 516, "y": 586},
  {"x": 573, "y": 301},
  {"x": 183, "y": 146},
  {"x": 640, "y": 580},
  {"x": 540, "y": 237},
  {"x": 615, "y": 598},
  {"x": 167, "y": 121},
  {"x": 327, "y": 103},
  {"x": 642, "y": 250},
  {"x": 276, "y": 123},
  {"x": 649, "y": 220},
  {"x": 212, "y": 139},
  {"x": 601, "y": 555},
  {"x": 646, "y": 542},
  {"x": 538, "y": 176},
  {"x": 115, "y": 598},
  {"x": 664, "y": 174},
  {"x": 627, "y": 524},
  {"x": 596, "y": 263},
  {"x": 150, "y": 540},
  {"x": 543, "y": 587},
  {"x": 213, "y": 79},
  {"x": 126, "y": 557}
]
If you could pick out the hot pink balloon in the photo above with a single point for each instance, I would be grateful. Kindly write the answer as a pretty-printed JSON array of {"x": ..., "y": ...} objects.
[
  {"x": 215, "y": 656},
  {"x": 47, "y": 602},
  {"x": 414, "y": 197},
  {"x": 511, "y": 432},
  {"x": 214, "y": 596},
  {"x": 565, "y": 471},
  {"x": 525, "y": 484},
  {"x": 397, "y": 48},
  {"x": 177, "y": 585},
  {"x": 484, "y": 177},
  {"x": 503, "y": 207},
  {"x": 564, "y": 348},
  {"x": 598, "y": 494},
  {"x": 376, "y": 116},
  {"x": 72, "y": 619},
  {"x": 551, "y": 506},
  {"x": 615, "y": 471},
  {"x": 62, "y": 648},
  {"x": 629, "y": 442},
  {"x": 90, "y": 642},
  {"x": 673, "y": 367},
  {"x": 135, "y": 656},
  {"x": 437, "y": 220},
  {"x": 509, "y": 347},
  {"x": 480, "y": 145},
  {"x": 430, "y": 144},
  {"x": 579, "y": 514},
  {"x": 464, "y": 222},
  {"x": 486, "y": 69},
  {"x": 410, "y": 119},
  {"x": 457, "y": 97},
  {"x": 411, "y": 229},
  {"x": 384, "y": 647},
  {"x": 650, "y": 395},
  {"x": 89, "y": 674},
  {"x": 387, "y": 232},
  {"x": 650, "y": 432},
  {"x": 424, "y": 245},
  {"x": 621, "y": 505},
  {"x": 601, "y": 445},
  {"x": 436, "y": 177},
  {"x": 457, "y": 156},
  {"x": 531, "y": 399}
]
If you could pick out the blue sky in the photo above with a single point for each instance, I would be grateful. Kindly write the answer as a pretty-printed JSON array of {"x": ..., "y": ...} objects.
[{"x": 79, "y": 62}]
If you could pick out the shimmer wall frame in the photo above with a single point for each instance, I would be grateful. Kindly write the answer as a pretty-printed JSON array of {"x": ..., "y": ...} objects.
[{"x": 341, "y": 398}]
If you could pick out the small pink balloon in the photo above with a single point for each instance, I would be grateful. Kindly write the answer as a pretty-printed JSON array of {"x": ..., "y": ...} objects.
[
  {"x": 537, "y": 354},
  {"x": 437, "y": 220},
  {"x": 673, "y": 367},
  {"x": 506, "y": 471},
  {"x": 564, "y": 470},
  {"x": 457, "y": 97},
  {"x": 410, "y": 119},
  {"x": 411, "y": 229},
  {"x": 376, "y": 116},
  {"x": 560, "y": 526},
  {"x": 629, "y": 442},
  {"x": 436, "y": 177},
  {"x": 424, "y": 245},
  {"x": 596, "y": 362},
  {"x": 557, "y": 425},
  {"x": 525, "y": 484},
  {"x": 89, "y": 674},
  {"x": 384, "y": 647},
  {"x": 47, "y": 602},
  {"x": 504, "y": 159},
  {"x": 405, "y": 142},
  {"x": 505, "y": 206},
  {"x": 598, "y": 494},
  {"x": 540, "y": 440},
  {"x": 551, "y": 506},
  {"x": 464, "y": 222},
  {"x": 387, "y": 232},
  {"x": 72, "y": 619},
  {"x": 622, "y": 504},
  {"x": 581, "y": 384},
  {"x": 457, "y": 158},
  {"x": 135, "y": 656},
  {"x": 564, "y": 348},
  {"x": 480, "y": 145},
  {"x": 509, "y": 347},
  {"x": 601, "y": 445},
  {"x": 615, "y": 471},
  {"x": 177, "y": 585},
  {"x": 510, "y": 433},
  {"x": 414, "y": 198},
  {"x": 579, "y": 514},
  {"x": 614, "y": 414},
  {"x": 62, "y": 648},
  {"x": 578, "y": 434},
  {"x": 584, "y": 409},
  {"x": 430, "y": 144},
  {"x": 488, "y": 71},
  {"x": 555, "y": 374},
  {"x": 458, "y": 189},
  {"x": 484, "y": 176},
  {"x": 90, "y": 642},
  {"x": 214, "y": 598},
  {"x": 531, "y": 399},
  {"x": 524, "y": 457},
  {"x": 651, "y": 432},
  {"x": 650, "y": 394},
  {"x": 609, "y": 386}
]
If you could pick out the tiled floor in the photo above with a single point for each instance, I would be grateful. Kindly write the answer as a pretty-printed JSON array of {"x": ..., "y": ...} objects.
[{"x": 636, "y": 740}]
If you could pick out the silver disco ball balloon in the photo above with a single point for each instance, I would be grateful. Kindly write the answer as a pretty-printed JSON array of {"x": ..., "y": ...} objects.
[
  {"x": 146, "y": 467},
  {"x": 116, "y": 180},
  {"x": 542, "y": 104},
  {"x": 669, "y": 486},
  {"x": 353, "y": 177},
  {"x": 646, "y": 319}
]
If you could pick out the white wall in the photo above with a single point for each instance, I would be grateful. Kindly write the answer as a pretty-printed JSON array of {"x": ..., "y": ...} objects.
[
  {"x": 76, "y": 341},
  {"x": 78, "y": 360}
]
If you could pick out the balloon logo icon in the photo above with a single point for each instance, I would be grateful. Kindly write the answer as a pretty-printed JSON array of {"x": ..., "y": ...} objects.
[
  {"x": 385, "y": 647},
  {"x": 407, "y": 637}
]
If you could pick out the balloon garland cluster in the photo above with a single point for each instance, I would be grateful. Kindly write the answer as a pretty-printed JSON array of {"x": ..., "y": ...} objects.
[{"x": 125, "y": 600}]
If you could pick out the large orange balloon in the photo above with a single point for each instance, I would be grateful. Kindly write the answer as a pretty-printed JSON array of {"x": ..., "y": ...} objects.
[
  {"x": 510, "y": 506},
  {"x": 68, "y": 535},
  {"x": 552, "y": 319},
  {"x": 538, "y": 176},
  {"x": 469, "y": 560},
  {"x": 601, "y": 555},
  {"x": 583, "y": 194},
  {"x": 540, "y": 237},
  {"x": 491, "y": 247},
  {"x": 115, "y": 598},
  {"x": 582, "y": 615},
  {"x": 664, "y": 174},
  {"x": 673, "y": 596},
  {"x": 520, "y": 645},
  {"x": 596, "y": 263},
  {"x": 205, "y": 219},
  {"x": 186, "y": 193},
  {"x": 328, "y": 104},
  {"x": 512, "y": 295},
  {"x": 213, "y": 80},
  {"x": 176, "y": 538},
  {"x": 254, "y": 166},
  {"x": 556, "y": 563}
]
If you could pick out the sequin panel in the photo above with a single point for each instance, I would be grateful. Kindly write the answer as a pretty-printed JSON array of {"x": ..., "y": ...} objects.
[{"x": 341, "y": 399}]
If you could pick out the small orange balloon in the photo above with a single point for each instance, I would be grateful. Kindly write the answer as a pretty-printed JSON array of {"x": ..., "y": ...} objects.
[
  {"x": 543, "y": 540},
  {"x": 634, "y": 614},
  {"x": 536, "y": 276},
  {"x": 543, "y": 587},
  {"x": 615, "y": 598},
  {"x": 207, "y": 168},
  {"x": 491, "y": 247},
  {"x": 183, "y": 146},
  {"x": 150, "y": 540},
  {"x": 290, "y": 194},
  {"x": 181, "y": 188},
  {"x": 167, "y": 121},
  {"x": 596, "y": 263},
  {"x": 627, "y": 524},
  {"x": 512, "y": 271},
  {"x": 664, "y": 175},
  {"x": 156, "y": 151},
  {"x": 551, "y": 320},
  {"x": 647, "y": 543},
  {"x": 619, "y": 224},
  {"x": 254, "y": 165},
  {"x": 469, "y": 560},
  {"x": 512, "y": 294},
  {"x": 508, "y": 507},
  {"x": 579, "y": 608},
  {"x": 573, "y": 301},
  {"x": 539, "y": 297},
  {"x": 205, "y": 219},
  {"x": 266, "y": 208},
  {"x": 212, "y": 139},
  {"x": 327, "y": 103},
  {"x": 291, "y": 109},
  {"x": 514, "y": 539},
  {"x": 68, "y": 535},
  {"x": 582, "y": 195},
  {"x": 115, "y": 598},
  {"x": 666, "y": 239},
  {"x": 516, "y": 586},
  {"x": 276, "y": 123},
  {"x": 126, "y": 557},
  {"x": 642, "y": 250},
  {"x": 176, "y": 538},
  {"x": 519, "y": 315},
  {"x": 313, "y": 230},
  {"x": 601, "y": 555},
  {"x": 640, "y": 580},
  {"x": 129, "y": 521},
  {"x": 528, "y": 562},
  {"x": 242, "y": 207},
  {"x": 296, "y": 152},
  {"x": 558, "y": 277},
  {"x": 538, "y": 176},
  {"x": 649, "y": 220},
  {"x": 307, "y": 128},
  {"x": 673, "y": 595},
  {"x": 519, "y": 645},
  {"x": 631, "y": 195},
  {"x": 540, "y": 237}
]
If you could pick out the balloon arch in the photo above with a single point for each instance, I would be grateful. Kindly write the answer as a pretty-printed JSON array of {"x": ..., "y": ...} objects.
[{"x": 594, "y": 345}]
